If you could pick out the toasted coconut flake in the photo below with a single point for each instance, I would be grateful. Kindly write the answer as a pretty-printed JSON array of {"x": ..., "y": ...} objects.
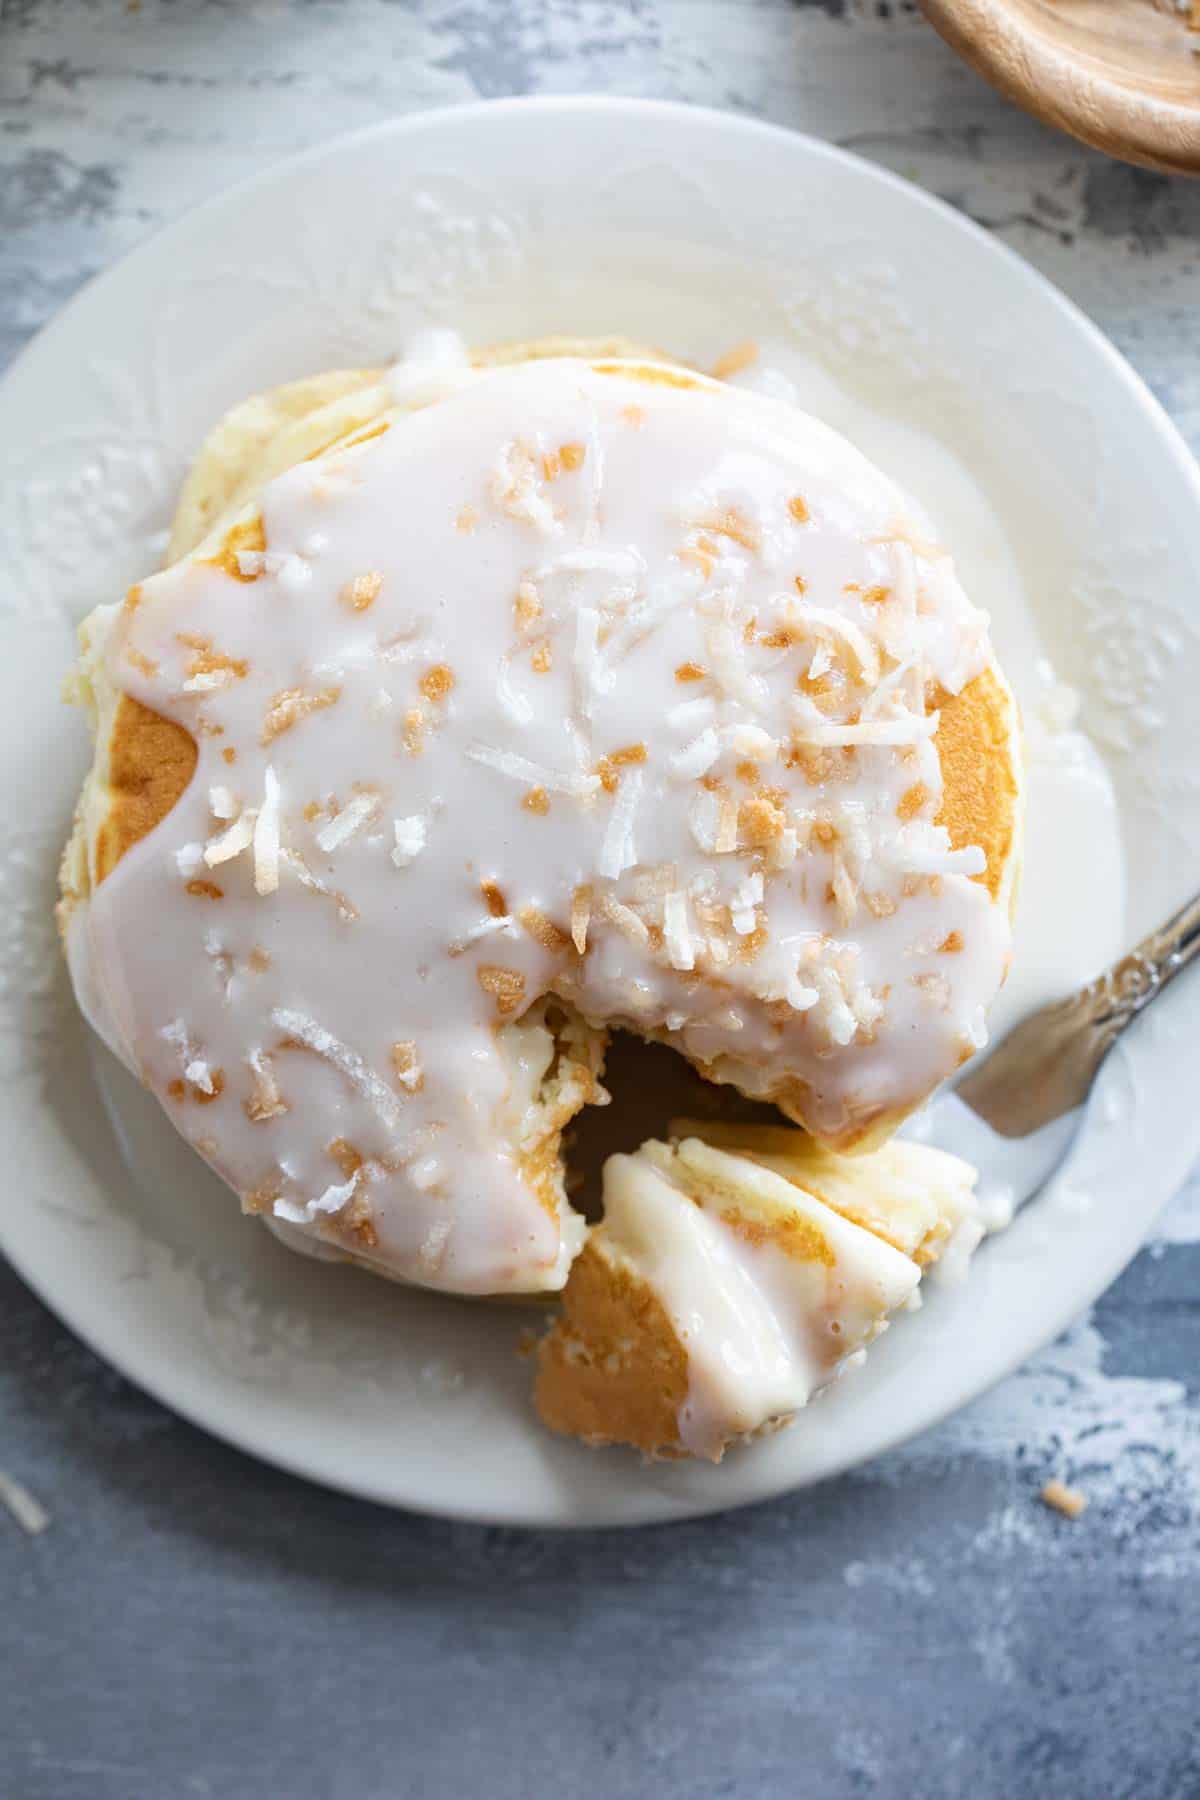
[
  {"x": 266, "y": 1101},
  {"x": 406, "y": 1065},
  {"x": 519, "y": 768},
  {"x": 322, "y": 1043},
  {"x": 727, "y": 824},
  {"x": 936, "y": 989},
  {"x": 197, "y": 1072},
  {"x": 785, "y": 848},
  {"x": 690, "y": 671},
  {"x": 527, "y": 607},
  {"x": 543, "y": 929},
  {"x": 506, "y": 987},
  {"x": 208, "y": 681},
  {"x": 798, "y": 507},
  {"x": 266, "y": 836},
  {"x": 437, "y": 683},
  {"x": 731, "y": 522},
  {"x": 363, "y": 591},
  {"x": 751, "y": 741},
  {"x": 845, "y": 894},
  {"x": 1069, "y": 1501},
  {"x": 581, "y": 912},
  {"x": 291, "y": 705},
  {"x": 513, "y": 486},
  {"x": 618, "y": 851},
  {"x": 494, "y": 900},
  {"x": 624, "y": 918},
  {"x": 537, "y": 800},
  {"x": 344, "y": 824},
  {"x": 677, "y": 932}
]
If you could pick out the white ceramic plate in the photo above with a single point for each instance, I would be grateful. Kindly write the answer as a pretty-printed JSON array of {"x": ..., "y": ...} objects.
[{"x": 689, "y": 229}]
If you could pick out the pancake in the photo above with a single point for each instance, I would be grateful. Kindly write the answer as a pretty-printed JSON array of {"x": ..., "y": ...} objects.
[
  {"x": 488, "y": 703},
  {"x": 725, "y": 1289}
]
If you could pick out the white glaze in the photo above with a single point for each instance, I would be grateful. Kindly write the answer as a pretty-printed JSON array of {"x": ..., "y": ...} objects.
[{"x": 451, "y": 510}]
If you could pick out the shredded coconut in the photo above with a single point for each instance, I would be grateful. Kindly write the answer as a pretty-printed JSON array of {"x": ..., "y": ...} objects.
[
  {"x": 222, "y": 803},
  {"x": 323, "y": 1043},
  {"x": 618, "y": 852},
  {"x": 266, "y": 836},
  {"x": 698, "y": 757},
  {"x": 514, "y": 487},
  {"x": 752, "y": 742},
  {"x": 199, "y": 1075},
  {"x": 489, "y": 927},
  {"x": 518, "y": 707},
  {"x": 29, "y": 1513},
  {"x": 676, "y": 933},
  {"x": 747, "y": 896},
  {"x": 230, "y": 842},
  {"x": 411, "y": 835},
  {"x": 624, "y": 918},
  {"x": 189, "y": 859},
  {"x": 353, "y": 816},
  {"x": 531, "y": 774},
  {"x": 333, "y": 1200}
]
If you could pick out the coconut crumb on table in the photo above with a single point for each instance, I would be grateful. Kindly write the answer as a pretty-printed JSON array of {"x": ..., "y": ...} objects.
[
  {"x": 29, "y": 1513},
  {"x": 1061, "y": 1498}
]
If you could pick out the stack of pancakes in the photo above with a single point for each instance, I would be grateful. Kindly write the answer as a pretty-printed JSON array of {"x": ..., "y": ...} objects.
[{"x": 776, "y": 1252}]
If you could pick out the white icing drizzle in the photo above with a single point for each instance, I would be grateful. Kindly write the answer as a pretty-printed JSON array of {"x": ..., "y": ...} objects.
[{"x": 509, "y": 709}]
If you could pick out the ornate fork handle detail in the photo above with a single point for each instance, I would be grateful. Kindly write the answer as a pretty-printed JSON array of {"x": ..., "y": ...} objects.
[{"x": 1046, "y": 1066}]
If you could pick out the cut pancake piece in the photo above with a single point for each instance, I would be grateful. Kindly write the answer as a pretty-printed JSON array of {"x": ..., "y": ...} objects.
[
  {"x": 910, "y": 1195},
  {"x": 719, "y": 1294}
]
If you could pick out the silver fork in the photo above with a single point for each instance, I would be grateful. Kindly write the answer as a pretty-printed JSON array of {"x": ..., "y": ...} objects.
[{"x": 1017, "y": 1112}]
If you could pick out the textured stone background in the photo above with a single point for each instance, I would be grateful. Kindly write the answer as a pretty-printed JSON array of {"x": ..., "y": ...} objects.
[{"x": 194, "y": 1624}]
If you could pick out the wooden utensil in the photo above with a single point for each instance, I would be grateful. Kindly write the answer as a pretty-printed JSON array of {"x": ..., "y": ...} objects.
[{"x": 1122, "y": 75}]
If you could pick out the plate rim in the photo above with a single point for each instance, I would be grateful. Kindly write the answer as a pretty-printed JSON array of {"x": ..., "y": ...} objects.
[{"x": 206, "y": 1412}]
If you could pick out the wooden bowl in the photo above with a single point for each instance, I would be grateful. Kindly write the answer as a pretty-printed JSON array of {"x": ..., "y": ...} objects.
[{"x": 1123, "y": 75}]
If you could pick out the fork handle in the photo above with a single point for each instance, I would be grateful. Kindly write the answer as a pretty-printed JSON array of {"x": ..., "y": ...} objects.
[{"x": 1047, "y": 1065}]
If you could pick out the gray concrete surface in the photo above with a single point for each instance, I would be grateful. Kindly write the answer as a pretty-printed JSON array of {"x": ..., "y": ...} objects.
[{"x": 194, "y": 1624}]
